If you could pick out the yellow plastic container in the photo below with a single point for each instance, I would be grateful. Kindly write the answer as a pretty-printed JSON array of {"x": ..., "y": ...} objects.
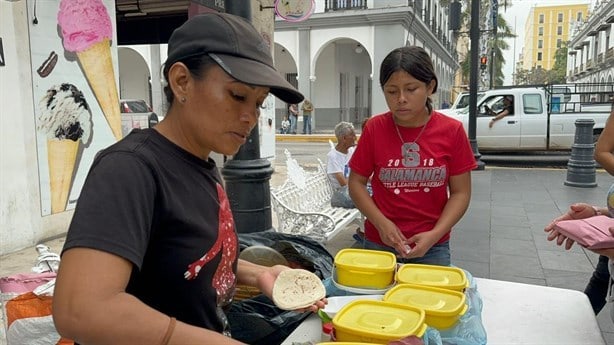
[
  {"x": 378, "y": 322},
  {"x": 365, "y": 268},
  {"x": 452, "y": 278},
  {"x": 443, "y": 307}
]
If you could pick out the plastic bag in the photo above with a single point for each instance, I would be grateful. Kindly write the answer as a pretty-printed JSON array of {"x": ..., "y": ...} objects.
[
  {"x": 26, "y": 304},
  {"x": 300, "y": 251},
  {"x": 257, "y": 320},
  {"x": 30, "y": 322},
  {"x": 27, "y": 300},
  {"x": 469, "y": 330}
]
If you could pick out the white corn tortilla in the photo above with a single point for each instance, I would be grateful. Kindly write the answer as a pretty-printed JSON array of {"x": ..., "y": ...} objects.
[{"x": 296, "y": 289}]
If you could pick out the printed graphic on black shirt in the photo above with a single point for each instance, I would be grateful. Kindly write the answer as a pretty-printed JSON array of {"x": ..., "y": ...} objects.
[{"x": 224, "y": 279}]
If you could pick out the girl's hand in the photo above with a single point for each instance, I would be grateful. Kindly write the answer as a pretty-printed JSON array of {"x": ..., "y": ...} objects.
[
  {"x": 421, "y": 243},
  {"x": 392, "y": 236}
]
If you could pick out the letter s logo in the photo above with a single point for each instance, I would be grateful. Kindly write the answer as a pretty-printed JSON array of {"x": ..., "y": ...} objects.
[{"x": 411, "y": 155}]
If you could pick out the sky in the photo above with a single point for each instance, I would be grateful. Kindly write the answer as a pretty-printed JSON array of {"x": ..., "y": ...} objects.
[{"x": 518, "y": 13}]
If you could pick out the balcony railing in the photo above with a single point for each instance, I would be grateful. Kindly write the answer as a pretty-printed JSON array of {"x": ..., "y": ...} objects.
[{"x": 342, "y": 5}]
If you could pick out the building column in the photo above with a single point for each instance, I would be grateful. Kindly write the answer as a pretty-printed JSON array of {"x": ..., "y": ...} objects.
[
  {"x": 158, "y": 100},
  {"x": 304, "y": 68}
]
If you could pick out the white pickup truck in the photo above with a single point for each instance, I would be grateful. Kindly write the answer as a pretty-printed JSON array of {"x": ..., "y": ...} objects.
[
  {"x": 461, "y": 102},
  {"x": 540, "y": 121}
]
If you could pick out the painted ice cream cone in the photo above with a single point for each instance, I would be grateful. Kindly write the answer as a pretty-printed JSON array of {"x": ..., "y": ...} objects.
[
  {"x": 87, "y": 31},
  {"x": 65, "y": 120},
  {"x": 98, "y": 67},
  {"x": 62, "y": 157}
]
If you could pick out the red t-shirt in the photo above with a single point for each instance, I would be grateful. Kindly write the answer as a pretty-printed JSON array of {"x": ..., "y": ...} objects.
[{"x": 410, "y": 181}]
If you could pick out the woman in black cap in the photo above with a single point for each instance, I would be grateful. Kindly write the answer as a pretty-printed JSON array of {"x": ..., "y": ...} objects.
[{"x": 151, "y": 255}]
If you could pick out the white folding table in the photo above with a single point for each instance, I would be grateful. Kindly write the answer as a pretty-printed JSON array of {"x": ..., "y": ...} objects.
[{"x": 515, "y": 314}]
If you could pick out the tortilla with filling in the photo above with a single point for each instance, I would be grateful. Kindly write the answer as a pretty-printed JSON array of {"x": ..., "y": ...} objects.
[{"x": 296, "y": 289}]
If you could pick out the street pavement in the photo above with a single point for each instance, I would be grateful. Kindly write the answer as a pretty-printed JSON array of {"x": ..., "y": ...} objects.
[{"x": 500, "y": 237}]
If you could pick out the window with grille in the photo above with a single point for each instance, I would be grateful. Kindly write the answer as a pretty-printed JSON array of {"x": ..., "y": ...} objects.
[{"x": 291, "y": 78}]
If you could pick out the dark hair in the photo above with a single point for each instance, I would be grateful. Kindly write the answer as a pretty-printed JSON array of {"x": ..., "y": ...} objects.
[
  {"x": 198, "y": 67},
  {"x": 413, "y": 60}
]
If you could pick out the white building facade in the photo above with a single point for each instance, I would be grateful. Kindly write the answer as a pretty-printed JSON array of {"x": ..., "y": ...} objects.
[
  {"x": 591, "y": 49},
  {"x": 333, "y": 57}
]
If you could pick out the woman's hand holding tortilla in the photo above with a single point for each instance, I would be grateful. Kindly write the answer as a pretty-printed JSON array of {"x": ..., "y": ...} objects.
[{"x": 293, "y": 289}]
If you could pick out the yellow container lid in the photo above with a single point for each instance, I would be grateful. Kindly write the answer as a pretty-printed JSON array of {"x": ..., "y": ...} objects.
[
  {"x": 379, "y": 319},
  {"x": 435, "y": 301},
  {"x": 365, "y": 259},
  {"x": 432, "y": 275}
]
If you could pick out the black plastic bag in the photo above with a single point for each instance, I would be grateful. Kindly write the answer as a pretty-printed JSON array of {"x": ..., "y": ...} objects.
[
  {"x": 300, "y": 251},
  {"x": 257, "y": 320}
]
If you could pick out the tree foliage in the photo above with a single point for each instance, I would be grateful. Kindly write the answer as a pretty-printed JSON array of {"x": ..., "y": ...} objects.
[
  {"x": 556, "y": 75},
  {"x": 559, "y": 69}
]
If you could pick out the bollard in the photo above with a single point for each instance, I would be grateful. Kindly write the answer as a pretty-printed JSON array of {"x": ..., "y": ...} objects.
[{"x": 581, "y": 168}]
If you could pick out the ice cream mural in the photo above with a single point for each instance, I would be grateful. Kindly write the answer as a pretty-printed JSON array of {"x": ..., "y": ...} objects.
[
  {"x": 87, "y": 31},
  {"x": 75, "y": 98},
  {"x": 65, "y": 119}
]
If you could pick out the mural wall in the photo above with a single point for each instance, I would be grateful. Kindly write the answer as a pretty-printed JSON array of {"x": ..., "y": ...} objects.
[{"x": 74, "y": 62}]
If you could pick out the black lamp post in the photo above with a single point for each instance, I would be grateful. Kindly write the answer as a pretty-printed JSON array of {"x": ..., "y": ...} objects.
[
  {"x": 474, "y": 34},
  {"x": 493, "y": 55},
  {"x": 247, "y": 175}
]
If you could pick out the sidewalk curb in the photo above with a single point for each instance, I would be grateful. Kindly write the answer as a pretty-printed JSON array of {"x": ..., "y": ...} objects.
[{"x": 311, "y": 138}]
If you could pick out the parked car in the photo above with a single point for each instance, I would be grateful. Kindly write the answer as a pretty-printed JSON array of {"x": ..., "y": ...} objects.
[{"x": 136, "y": 113}]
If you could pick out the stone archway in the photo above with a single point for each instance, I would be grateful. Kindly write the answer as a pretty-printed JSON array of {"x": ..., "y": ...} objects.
[
  {"x": 342, "y": 87},
  {"x": 135, "y": 77},
  {"x": 285, "y": 63}
]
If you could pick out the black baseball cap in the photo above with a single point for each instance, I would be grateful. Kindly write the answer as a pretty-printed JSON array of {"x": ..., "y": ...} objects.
[{"x": 236, "y": 46}]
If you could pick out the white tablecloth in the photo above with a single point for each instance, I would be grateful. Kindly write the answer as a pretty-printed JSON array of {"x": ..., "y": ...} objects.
[{"x": 516, "y": 313}]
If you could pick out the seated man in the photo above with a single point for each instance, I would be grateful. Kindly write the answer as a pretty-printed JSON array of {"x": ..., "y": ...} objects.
[
  {"x": 508, "y": 109},
  {"x": 337, "y": 164}
]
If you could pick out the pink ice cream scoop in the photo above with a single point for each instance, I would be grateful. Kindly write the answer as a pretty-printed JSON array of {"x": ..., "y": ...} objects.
[{"x": 83, "y": 23}]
